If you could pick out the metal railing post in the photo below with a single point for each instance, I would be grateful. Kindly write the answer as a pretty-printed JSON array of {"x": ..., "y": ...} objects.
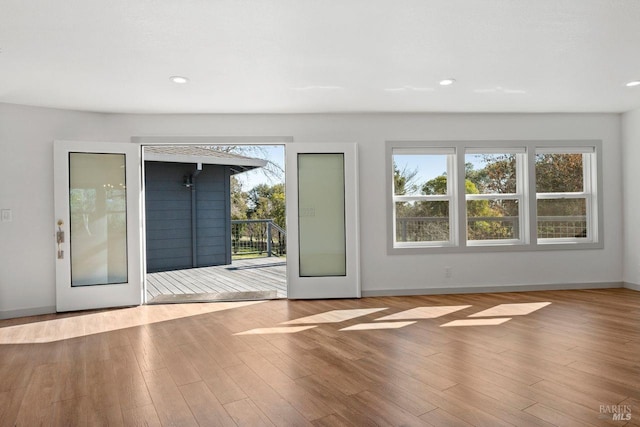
[
  {"x": 250, "y": 237},
  {"x": 269, "y": 238}
]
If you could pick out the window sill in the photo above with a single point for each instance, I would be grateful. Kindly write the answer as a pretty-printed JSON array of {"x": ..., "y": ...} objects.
[{"x": 521, "y": 247}]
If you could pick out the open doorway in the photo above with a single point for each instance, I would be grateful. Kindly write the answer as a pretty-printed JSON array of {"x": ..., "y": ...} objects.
[{"x": 214, "y": 223}]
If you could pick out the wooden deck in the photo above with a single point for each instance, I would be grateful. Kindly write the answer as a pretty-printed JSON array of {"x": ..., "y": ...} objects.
[{"x": 247, "y": 275}]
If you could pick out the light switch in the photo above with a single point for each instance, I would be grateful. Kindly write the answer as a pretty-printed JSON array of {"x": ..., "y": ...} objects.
[{"x": 6, "y": 215}]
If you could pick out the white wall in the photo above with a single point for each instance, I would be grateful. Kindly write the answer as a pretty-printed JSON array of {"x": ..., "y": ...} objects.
[
  {"x": 26, "y": 187},
  {"x": 631, "y": 193},
  {"x": 27, "y": 246}
]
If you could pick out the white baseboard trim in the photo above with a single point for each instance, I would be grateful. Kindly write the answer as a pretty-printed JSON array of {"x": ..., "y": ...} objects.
[
  {"x": 491, "y": 289},
  {"x": 24, "y": 312},
  {"x": 35, "y": 311}
]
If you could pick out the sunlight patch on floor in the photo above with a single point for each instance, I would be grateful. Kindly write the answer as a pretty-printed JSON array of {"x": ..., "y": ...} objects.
[
  {"x": 477, "y": 322},
  {"x": 276, "y": 330},
  {"x": 334, "y": 316},
  {"x": 378, "y": 325},
  {"x": 425, "y": 312},
  {"x": 107, "y": 321},
  {"x": 520, "y": 309}
]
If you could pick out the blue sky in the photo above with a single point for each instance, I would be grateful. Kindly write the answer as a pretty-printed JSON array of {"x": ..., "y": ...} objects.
[
  {"x": 273, "y": 153},
  {"x": 431, "y": 166},
  {"x": 428, "y": 166}
]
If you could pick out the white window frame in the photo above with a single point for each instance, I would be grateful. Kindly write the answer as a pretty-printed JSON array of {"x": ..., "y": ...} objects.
[
  {"x": 589, "y": 184},
  {"x": 521, "y": 165},
  {"x": 449, "y": 197},
  {"x": 526, "y": 194}
]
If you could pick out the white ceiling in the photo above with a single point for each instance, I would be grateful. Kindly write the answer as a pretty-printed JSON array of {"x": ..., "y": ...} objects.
[{"x": 273, "y": 56}]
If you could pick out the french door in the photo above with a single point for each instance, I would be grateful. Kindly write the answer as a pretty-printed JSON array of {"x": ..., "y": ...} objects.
[
  {"x": 322, "y": 221},
  {"x": 97, "y": 225}
]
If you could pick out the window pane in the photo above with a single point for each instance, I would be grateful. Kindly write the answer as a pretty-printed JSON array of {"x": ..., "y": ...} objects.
[
  {"x": 321, "y": 210},
  {"x": 490, "y": 173},
  {"x": 559, "y": 173},
  {"x": 422, "y": 221},
  {"x": 98, "y": 219},
  {"x": 492, "y": 219},
  {"x": 558, "y": 218},
  {"x": 419, "y": 174}
]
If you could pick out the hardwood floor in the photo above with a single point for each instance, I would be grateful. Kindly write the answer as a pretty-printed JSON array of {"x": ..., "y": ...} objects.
[{"x": 561, "y": 358}]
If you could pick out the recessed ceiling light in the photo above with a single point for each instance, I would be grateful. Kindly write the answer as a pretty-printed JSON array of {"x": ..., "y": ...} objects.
[
  {"x": 633, "y": 83},
  {"x": 179, "y": 79},
  {"x": 447, "y": 82}
]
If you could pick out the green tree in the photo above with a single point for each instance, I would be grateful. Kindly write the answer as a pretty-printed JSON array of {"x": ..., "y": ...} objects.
[
  {"x": 438, "y": 185},
  {"x": 559, "y": 173},
  {"x": 477, "y": 176},
  {"x": 267, "y": 202},
  {"x": 500, "y": 174},
  {"x": 239, "y": 199}
]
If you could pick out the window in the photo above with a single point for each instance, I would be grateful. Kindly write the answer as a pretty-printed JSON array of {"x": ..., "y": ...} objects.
[
  {"x": 472, "y": 196},
  {"x": 423, "y": 197},
  {"x": 494, "y": 195},
  {"x": 565, "y": 198}
]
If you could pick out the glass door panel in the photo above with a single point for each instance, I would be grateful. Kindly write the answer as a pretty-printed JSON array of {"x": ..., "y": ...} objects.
[
  {"x": 98, "y": 233},
  {"x": 98, "y": 219},
  {"x": 321, "y": 226},
  {"x": 322, "y": 221}
]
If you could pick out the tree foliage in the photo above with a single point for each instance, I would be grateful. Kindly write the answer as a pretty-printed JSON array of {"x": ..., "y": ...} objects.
[
  {"x": 404, "y": 181},
  {"x": 559, "y": 173},
  {"x": 267, "y": 202},
  {"x": 496, "y": 175},
  {"x": 239, "y": 200}
]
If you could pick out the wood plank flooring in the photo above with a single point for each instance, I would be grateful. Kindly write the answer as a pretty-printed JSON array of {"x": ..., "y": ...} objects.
[
  {"x": 570, "y": 362},
  {"x": 244, "y": 275}
]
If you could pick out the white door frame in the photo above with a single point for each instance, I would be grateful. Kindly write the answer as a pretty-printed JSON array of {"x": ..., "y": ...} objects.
[
  {"x": 141, "y": 141},
  {"x": 77, "y": 298},
  {"x": 347, "y": 286},
  {"x": 69, "y": 297}
]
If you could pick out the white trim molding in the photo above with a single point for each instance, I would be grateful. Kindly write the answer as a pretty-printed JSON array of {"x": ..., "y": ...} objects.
[
  {"x": 25, "y": 312},
  {"x": 632, "y": 286},
  {"x": 493, "y": 289}
]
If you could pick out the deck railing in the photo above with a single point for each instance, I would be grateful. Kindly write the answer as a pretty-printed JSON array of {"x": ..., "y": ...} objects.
[
  {"x": 417, "y": 229},
  {"x": 257, "y": 237}
]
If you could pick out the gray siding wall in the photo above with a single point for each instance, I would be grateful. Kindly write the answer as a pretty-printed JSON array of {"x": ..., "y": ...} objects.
[
  {"x": 212, "y": 188},
  {"x": 169, "y": 216}
]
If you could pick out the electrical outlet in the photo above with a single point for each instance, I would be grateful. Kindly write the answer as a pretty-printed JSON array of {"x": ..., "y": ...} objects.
[
  {"x": 447, "y": 272},
  {"x": 6, "y": 215}
]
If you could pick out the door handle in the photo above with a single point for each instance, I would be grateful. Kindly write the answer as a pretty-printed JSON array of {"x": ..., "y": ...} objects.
[{"x": 60, "y": 239}]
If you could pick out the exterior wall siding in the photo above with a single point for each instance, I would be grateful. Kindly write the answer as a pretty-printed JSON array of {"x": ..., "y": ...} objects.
[{"x": 169, "y": 216}]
